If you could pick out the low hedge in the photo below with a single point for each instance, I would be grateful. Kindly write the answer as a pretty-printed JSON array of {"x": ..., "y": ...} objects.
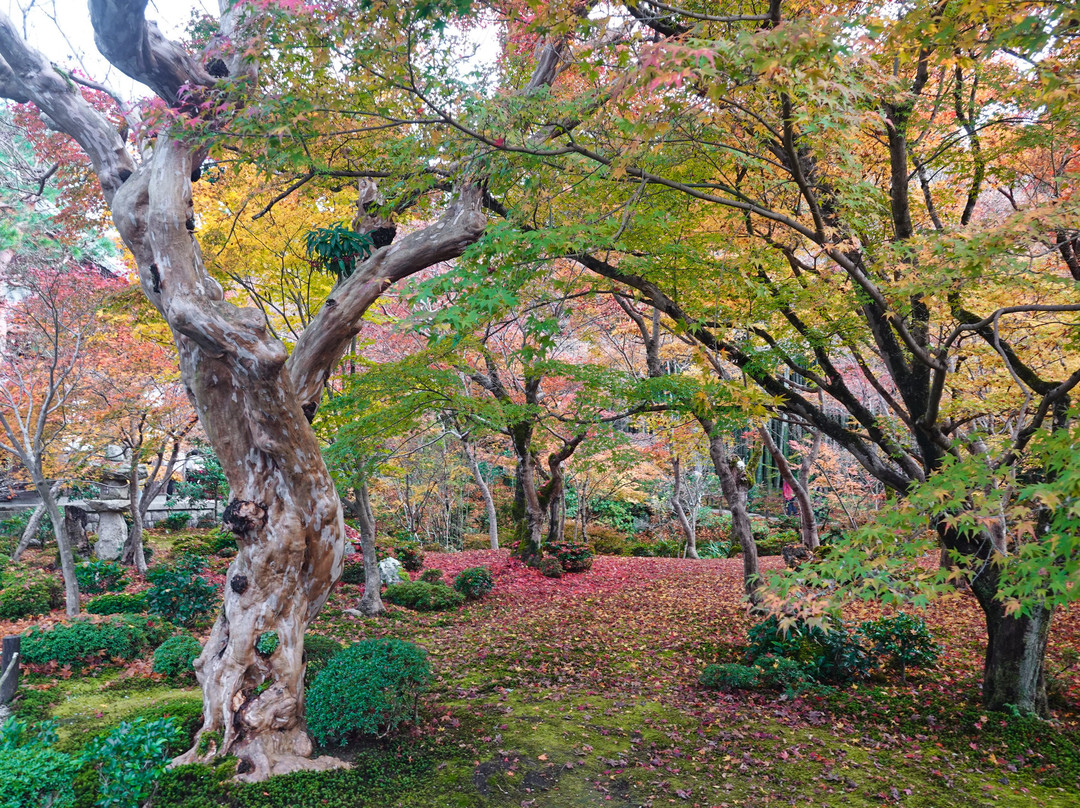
[{"x": 119, "y": 637}]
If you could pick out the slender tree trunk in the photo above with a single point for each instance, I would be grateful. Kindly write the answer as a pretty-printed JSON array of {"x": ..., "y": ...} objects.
[
  {"x": 808, "y": 527},
  {"x": 30, "y": 533},
  {"x": 735, "y": 483},
  {"x": 371, "y": 603},
  {"x": 67, "y": 560},
  {"x": 688, "y": 529},
  {"x": 485, "y": 491},
  {"x": 133, "y": 548}
]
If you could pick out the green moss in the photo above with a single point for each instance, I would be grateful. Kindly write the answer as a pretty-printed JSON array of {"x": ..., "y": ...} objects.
[{"x": 86, "y": 710}]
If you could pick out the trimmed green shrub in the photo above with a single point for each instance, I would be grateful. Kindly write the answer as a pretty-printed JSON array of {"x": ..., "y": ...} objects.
[
  {"x": 318, "y": 650},
  {"x": 411, "y": 558},
  {"x": 781, "y": 672},
  {"x": 573, "y": 555},
  {"x": 432, "y": 576},
  {"x": 423, "y": 597},
  {"x": 219, "y": 542},
  {"x": 729, "y": 676},
  {"x": 474, "y": 582},
  {"x": 353, "y": 572},
  {"x": 29, "y": 592},
  {"x": 119, "y": 637},
  {"x": 370, "y": 688},
  {"x": 176, "y": 656},
  {"x": 99, "y": 576},
  {"x": 120, "y": 603},
  {"x": 902, "y": 640},
  {"x": 179, "y": 593},
  {"x": 175, "y": 521},
  {"x": 551, "y": 567}
]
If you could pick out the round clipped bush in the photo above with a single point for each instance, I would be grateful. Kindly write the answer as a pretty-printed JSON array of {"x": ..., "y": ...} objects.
[
  {"x": 431, "y": 576},
  {"x": 370, "y": 688},
  {"x": 28, "y": 593},
  {"x": 119, "y": 603},
  {"x": 551, "y": 567},
  {"x": 179, "y": 593},
  {"x": 421, "y": 596},
  {"x": 474, "y": 582},
  {"x": 781, "y": 672},
  {"x": 176, "y": 656},
  {"x": 729, "y": 676}
]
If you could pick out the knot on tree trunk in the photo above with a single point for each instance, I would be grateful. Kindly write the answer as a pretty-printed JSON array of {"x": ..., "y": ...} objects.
[{"x": 244, "y": 517}]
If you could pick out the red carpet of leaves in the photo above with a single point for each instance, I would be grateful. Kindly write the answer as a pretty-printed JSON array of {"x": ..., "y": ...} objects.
[{"x": 634, "y": 625}]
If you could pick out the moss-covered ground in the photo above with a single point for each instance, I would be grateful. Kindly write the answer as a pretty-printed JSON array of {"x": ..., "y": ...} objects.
[{"x": 583, "y": 691}]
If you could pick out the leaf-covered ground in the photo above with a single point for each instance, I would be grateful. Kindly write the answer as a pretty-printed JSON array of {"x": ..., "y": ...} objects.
[{"x": 583, "y": 691}]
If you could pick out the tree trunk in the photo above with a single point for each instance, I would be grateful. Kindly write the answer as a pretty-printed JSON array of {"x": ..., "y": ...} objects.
[
  {"x": 808, "y": 528},
  {"x": 371, "y": 603},
  {"x": 688, "y": 529},
  {"x": 1014, "y": 667},
  {"x": 735, "y": 483},
  {"x": 75, "y": 526},
  {"x": 133, "y": 548},
  {"x": 485, "y": 491},
  {"x": 557, "y": 516},
  {"x": 30, "y": 533},
  {"x": 67, "y": 560},
  {"x": 529, "y": 515}
]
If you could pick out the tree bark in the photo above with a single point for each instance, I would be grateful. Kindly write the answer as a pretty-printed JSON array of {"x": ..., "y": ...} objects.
[
  {"x": 688, "y": 529},
  {"x": 75, "y": 524},
  {"x": 371, "y": 603},
  {"x": 133, "y": 548},
  {"x": 735, "y": 483},
  {"x": 1014, "y": 666},
  {"x": 67, "y": 560},
  {"x": 808, "y": 528}
]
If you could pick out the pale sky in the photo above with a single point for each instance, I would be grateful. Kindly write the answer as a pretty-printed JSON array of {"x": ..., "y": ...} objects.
[{"x": 61, "y": 30}]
